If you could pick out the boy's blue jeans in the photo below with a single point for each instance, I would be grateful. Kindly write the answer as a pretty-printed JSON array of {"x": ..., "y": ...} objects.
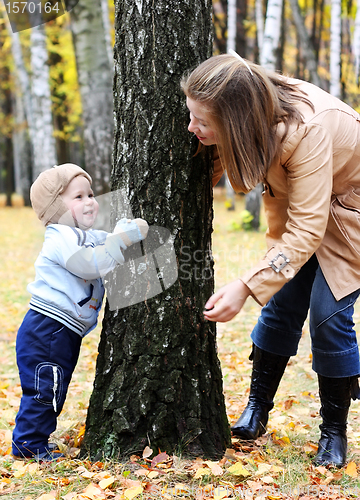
[
  {"x": 46, "y": 354},
  {"x": 334, "y": 344}
]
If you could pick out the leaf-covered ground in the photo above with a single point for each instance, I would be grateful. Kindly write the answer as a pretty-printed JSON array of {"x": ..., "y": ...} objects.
[{"x": 277, "y": 466}]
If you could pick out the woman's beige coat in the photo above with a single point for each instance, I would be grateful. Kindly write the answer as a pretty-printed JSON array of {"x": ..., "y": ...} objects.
[{"x": 312, "y": 200}]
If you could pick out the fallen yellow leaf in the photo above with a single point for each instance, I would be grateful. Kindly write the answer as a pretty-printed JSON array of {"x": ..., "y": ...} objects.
[
  {"x": 46, "y": 496},
  {"x": 133, "y": 492},
  {"x": 351, "y": 469},
  {"x": 152, "y": 474},
  {"x": 239, "y": 470},
  {"x": 105, "y": 483},
  {"x": 215, "y": 468},
  {"x": 87, "y": 474},
  {"x": 93, "y": 492},
  {"x": 201, "y": 472},
  {"x": 263, "y": 469},
  {"x": 267, "y": 479},
  {"x": 220, "y": 493}
]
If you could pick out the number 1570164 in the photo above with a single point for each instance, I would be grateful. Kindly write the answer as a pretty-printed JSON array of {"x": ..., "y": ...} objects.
[{"x": 32, "y": 7}]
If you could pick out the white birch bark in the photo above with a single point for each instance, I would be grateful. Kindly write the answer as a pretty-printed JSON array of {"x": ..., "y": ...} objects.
[
  {"x": 21, "y": 145},
  {"x": 22, "y": 113},
  {"x": 231, "y": 25},
  {"x": 259, "y": 17},
  {"x": 230, "y": 45},
  {"x": 107, "y": 31},
  {"x": 335, "y": 48},
  {"x": 356, "y": 42},
  {"x": 44, "y": 146},
  {"x": 95, "y": 82},
  {"x": 271, "y": 34}
]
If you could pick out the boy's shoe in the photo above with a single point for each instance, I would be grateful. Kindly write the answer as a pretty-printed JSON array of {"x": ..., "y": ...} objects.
[{"x": 50, "y": 455}]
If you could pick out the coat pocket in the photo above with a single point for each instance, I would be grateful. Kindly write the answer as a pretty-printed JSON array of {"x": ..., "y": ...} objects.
[{"x": 345, "y": 210}]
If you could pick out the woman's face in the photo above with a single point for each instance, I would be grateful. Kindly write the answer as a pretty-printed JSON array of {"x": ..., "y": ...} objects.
[{"x": 199, "y": 123}]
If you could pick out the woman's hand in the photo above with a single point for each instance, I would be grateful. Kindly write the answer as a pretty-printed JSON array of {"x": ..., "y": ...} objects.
[{"x": 232, "y": 297}]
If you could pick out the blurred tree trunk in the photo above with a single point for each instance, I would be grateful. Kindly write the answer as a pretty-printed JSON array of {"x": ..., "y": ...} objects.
[
  {"x": 335, "y": 48},
  {"x": 272, "y": 32},
  {"x": 44, "y": 145},
  {"x": 241, "y": 32},
  {"x": 356, "y": 42},
  {"x": 95, "y": 83},
  {"x": 231, "y": 45},
  {"x": 317, "y": 26},
  {"x": 158, "y": 380},
  {"x": 35, "y": 94},
  {"x": 21, "y": 147},
  {"x": 306, "y": 43},
  {"x": 107, "y": 32},
  {"x": 259, "y": 18}
]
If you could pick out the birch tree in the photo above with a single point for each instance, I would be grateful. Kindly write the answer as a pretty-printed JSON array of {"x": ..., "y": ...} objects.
[
  {"x": 158, "y": 379},
  {"x": 335, "y": 48},
  {"x": 43, "y": 141},
  {"x": 272, "y": 32},
  {"x": 107, "y": 31},
  {"x": 35, "y": 93},
  {"x": 259, "y": 20},
  {"x": 231, "y": 45},
  {"x": 95, "y": 83},
  {"x": 356, "y": 42}
]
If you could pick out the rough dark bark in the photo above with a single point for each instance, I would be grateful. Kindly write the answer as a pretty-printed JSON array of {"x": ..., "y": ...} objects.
[{"x": 158, "y": 380}]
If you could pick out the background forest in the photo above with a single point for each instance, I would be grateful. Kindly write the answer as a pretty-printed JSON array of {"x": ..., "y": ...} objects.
[{"x": 56, "y": 79}]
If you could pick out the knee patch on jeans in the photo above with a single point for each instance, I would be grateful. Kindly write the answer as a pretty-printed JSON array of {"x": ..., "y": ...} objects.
[{"x": 49, "y": 384}]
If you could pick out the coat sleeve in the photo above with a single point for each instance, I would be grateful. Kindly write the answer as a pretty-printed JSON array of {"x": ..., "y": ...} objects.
[
  {"x": 87, "y": 258},
  {"x": 307, "y": 160}
]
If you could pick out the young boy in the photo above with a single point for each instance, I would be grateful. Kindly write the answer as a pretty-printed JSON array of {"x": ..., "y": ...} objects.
[{"x": 66, "y": 298}]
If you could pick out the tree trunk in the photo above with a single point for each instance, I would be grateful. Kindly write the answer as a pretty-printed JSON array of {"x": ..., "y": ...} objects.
[
  {"x": 335, "y": 48},
  {"x": 259, "y": 17},
  {"x": 271, "y": 34},
  {"x": 21, "y": 147},
  {"x": 306, "y": 44},
  {"x": 44, "y": 146},
  {"x": 231, "y": 26},
  {"x": 253, "y": 205},
  {"x": 241, "y": 32},
  {"x": 231, "y": 45},
  {"x": 95, "y": 83},
  {"x": 107, "y": 32},
  {"x": 356, "y": 42},
  {"x": 158, "y": 380}
]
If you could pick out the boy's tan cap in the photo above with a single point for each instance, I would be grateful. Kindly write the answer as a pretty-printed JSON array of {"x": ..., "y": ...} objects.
[{"x": 47, "y": 188}]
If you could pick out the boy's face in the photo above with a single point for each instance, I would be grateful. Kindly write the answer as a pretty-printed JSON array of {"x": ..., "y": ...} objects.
[{"x": 79, "y": 198}]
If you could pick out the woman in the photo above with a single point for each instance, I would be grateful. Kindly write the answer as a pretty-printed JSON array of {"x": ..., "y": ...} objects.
[{"x": 304, "y": 146}]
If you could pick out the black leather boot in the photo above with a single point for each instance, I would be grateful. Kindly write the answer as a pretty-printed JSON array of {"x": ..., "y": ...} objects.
[
  {"x": 266, "y": 374},
  {"x": 335, "y": 396}
]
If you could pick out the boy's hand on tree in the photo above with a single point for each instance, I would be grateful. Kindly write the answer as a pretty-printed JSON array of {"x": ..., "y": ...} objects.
[
  {"x": 131, "y": 230},
  {"x": 228, "y": 300}
]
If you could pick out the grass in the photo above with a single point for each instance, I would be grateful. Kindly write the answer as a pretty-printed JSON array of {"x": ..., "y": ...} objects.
[{"x": 278, "y": 464}]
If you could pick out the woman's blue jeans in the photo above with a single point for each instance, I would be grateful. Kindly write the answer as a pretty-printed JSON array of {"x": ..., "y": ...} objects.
[{"x": 333, "y": 338}]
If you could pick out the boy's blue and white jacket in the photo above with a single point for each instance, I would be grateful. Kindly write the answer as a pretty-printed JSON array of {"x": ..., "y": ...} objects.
[{"x": 68, "y": 285}]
